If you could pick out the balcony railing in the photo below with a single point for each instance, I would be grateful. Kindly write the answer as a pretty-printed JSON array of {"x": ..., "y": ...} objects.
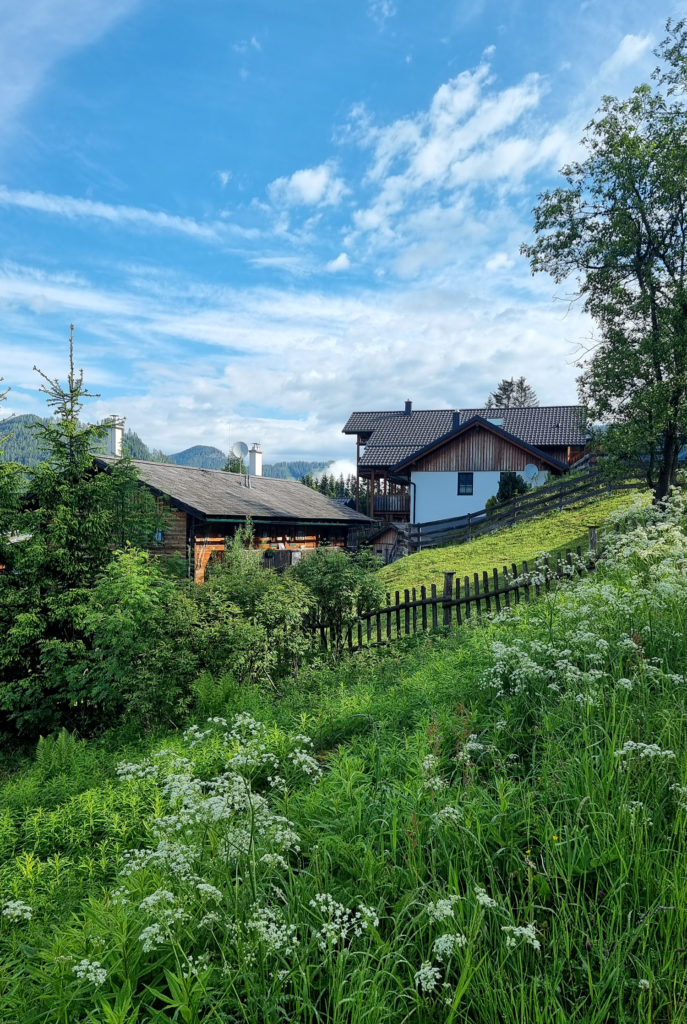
[{"x": 388, "y": 503}]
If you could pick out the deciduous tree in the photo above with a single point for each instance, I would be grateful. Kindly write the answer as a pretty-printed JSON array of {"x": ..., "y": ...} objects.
[{"x": 618, "y": 228}]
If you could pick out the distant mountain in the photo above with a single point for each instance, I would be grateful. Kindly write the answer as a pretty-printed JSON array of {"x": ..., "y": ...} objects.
[
  {"x": 202, "y": 456},
  {"x": 22, "y": 446},
  {"x": 22, "y": 443}
]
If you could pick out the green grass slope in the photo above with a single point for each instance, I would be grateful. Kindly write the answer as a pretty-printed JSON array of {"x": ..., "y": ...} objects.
[
  {"x": 524, "y": 541},
  {"x": 482, "y": 827}
]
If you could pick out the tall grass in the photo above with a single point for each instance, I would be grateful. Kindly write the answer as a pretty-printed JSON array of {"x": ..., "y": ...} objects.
[
  {"x": 553, "y": 532},
  {"x": 487, "y": 826}
]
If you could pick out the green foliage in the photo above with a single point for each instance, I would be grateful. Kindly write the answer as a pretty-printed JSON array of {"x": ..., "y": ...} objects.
[
  {"x": 503, "y": 809},
  {"x": 137, "y": 657},
  {"x": 342, "y": 587},
  {"x": 617, "y": 228},
  {"x": 510, "y": 485},
  {"x": 510, "y": 393},
  {"x": 69, "y": 520},
  {"x": 252, "y": 620}
]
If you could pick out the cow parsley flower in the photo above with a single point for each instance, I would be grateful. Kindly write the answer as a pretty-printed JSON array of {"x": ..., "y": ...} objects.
[
  {"x": 483, "y": 898},
  {"x": 445, "y": 946},
  {"x": 442, "y": 910},
  {"x": 427, "y": 978},
  {"x": 526, "y": 933},
  {"x": 17, "y": 910},
  {"x": 90, "y": 970}
]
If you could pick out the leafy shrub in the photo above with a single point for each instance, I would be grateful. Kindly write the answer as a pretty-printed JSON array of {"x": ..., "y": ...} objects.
[{"x": 342, "y": 587}]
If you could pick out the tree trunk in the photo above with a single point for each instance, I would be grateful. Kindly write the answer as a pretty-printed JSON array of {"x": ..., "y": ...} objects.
[{"x": 667, "y": 474}]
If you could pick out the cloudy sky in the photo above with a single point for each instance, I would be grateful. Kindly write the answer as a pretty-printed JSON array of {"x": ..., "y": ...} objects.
[{"x": 261, "y": 216}]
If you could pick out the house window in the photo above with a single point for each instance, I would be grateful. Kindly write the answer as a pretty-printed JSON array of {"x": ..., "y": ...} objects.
[{"x": 465, "y": 483}]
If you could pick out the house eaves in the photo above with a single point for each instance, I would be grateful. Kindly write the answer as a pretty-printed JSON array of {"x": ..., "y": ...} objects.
[{"x": 479, "y": 421}]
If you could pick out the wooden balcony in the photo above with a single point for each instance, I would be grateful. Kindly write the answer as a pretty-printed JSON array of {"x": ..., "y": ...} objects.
[{"x": 392, "y": 504}]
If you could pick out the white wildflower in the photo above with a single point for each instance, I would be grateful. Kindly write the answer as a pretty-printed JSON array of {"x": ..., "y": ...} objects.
[
  {"x": 274, "y": 860},
  {"x": 526, "y": 933},
  {"x": 441, "y": 910},
  {"x": 270, "y": 928},
  {"x": 445, "y": 946},
  {"x": 644, "y": 984},
  {"x": 90, "y": 970},
  {"x": 483, "y": 898},
  {"x": 17, "y": 910},
  {"x": 449, "y": 815},
  {"x": 427, "y": 978}
]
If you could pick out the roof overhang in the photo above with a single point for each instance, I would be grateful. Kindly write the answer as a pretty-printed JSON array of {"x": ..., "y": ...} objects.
[{"x": 472, "y": 424}]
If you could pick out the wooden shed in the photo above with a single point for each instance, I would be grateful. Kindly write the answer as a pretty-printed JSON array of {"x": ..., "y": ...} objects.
[{"x": 207, "y": 506}]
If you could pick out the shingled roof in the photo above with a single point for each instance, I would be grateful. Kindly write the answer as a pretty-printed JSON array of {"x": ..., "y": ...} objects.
[
  {"x": 397, "y": 436},
  {"x": 214, "y": 494}
]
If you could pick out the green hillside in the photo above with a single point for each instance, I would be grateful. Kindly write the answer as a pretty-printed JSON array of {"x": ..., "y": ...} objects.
[
  {"x": 22, "y": 444},
  {"x": 479, "y": 827},
  {"x": 552, "y": 533},
  {"x": 202, "y": 456}
]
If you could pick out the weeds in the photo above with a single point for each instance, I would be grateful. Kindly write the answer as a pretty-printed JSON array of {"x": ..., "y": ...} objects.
[{"x": 486, "y": 827}]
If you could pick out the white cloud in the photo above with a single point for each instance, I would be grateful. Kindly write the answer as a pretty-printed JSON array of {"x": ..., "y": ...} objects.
[
  {"x": 75, "y": 209},
  {"x": 500, "y": 261},
  {"x": 381, "y": 11},
  {"x": 341, "y": 262},
  {"x": 630, "y": 49},
  {"x": 224, "y": 178},
  {"x": 312, "y": 186},
  {"x": 245, "y": 45},
  {"x": 309, "y": 357},
  {"x": 36, "y": 34}
]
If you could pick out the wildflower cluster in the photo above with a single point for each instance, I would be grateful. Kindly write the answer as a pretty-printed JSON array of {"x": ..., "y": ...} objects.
[
  {"x": 17, "y": 910},
  {"x": 91, "y": 971},
  {"x": 341, "y": 922},
  {"x": 516, "y": 934}
]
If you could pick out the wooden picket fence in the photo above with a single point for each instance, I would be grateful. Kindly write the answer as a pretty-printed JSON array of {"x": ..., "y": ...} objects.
[{"x": 408, "y": 613}]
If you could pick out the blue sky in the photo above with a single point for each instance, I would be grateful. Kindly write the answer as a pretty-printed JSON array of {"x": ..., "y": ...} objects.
[{"x": 262, "y": 216}]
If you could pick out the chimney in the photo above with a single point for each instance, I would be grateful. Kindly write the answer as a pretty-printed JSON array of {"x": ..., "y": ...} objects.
[
  {"x": 255, "y": 460},
  {"x": 456, "y": 419},
  {"x": 114, "y": 435},
  {"x": 409, "y": 407}
]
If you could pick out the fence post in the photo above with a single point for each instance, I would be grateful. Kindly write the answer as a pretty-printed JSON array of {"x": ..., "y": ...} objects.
[
  {"x": 469, "y": 526},
  {"x": 448, "y": 594},
  {"x": 594, "y": 540}
]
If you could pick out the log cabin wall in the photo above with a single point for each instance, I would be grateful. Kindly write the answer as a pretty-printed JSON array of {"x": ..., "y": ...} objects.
[
  {"x": 210, "y": 540},
  {"x": 478, "y": 451},
  {"x": 174, "y": 531}
]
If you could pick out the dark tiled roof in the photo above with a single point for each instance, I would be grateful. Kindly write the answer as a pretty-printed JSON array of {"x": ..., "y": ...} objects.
[
  {"x": 539, "y": 425},
  {"x": 467, "y": 425},
  {"x": 395, "y": 436},
  {"x": 214, "y": 494}
]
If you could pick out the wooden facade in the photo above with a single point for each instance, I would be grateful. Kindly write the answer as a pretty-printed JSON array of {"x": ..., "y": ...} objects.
[
  {"x": 184, "y": 536},
  {"x": 203, "y": 509},
  {"x": 478, "y": 451}
]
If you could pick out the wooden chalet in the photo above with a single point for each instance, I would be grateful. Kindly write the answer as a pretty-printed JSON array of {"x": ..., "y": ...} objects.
[
  {"x": 435, "y": 463},
  {"x": 206, "y": 506}
]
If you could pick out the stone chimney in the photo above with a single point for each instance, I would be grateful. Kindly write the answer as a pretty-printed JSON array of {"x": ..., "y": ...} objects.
[
  {"x": 456, "y": 419},
  {"x": 409, "y": 407},
  {"x": 114, "y": 435},
  {"x": 255, "y": 460}
]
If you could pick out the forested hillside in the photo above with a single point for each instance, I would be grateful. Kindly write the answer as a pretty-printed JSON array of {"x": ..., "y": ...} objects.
[{"x": 22, "y": 446}]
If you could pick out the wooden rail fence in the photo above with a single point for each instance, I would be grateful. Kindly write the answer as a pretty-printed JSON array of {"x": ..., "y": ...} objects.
[
  {"x": 441, "y": 532},
  {"x": 410, "y": 613}
]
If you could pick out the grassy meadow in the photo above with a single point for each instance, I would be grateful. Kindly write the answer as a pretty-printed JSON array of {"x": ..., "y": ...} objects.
[
  {"x": 555, "y": 532},
  {"x": 486, "y": 826}
]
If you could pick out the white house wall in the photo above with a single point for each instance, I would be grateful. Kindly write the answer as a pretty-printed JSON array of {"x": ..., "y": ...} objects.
[{"x": 436, "y": 495}]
